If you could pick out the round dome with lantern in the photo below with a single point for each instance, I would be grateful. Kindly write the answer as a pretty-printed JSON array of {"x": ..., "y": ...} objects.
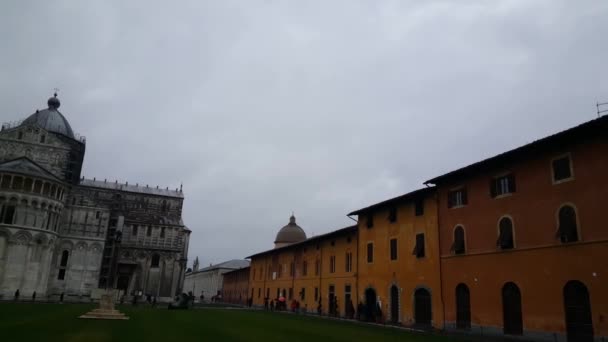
[
  {"x": 51, "y": 119},
  {"x": 291, "y": 233}
]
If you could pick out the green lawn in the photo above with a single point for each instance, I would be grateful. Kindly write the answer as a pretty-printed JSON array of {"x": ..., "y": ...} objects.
[{"x": 57, "y": 322}]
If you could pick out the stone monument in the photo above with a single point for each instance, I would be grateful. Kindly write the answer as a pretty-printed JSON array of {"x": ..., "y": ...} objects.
[{"x": 106, "y": 309}]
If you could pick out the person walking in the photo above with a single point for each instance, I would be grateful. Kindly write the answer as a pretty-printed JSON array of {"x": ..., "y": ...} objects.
[
  {"x": 17, "y": 295},
  {"x": 34, "y": 296}
]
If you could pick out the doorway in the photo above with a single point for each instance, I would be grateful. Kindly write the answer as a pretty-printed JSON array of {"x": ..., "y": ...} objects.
[
  {"x": 394, "y": 304},
  {"x": 579, "y": 324},
  {"x": 370, "y": 305},
  {"x": 511, "y": 308},
  {"x": 463, "y": 307},
  {"x": 422, "y": 307}
]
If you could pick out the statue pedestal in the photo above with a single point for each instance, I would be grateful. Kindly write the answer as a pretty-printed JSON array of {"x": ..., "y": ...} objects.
[{"x": 106, "y": 309}]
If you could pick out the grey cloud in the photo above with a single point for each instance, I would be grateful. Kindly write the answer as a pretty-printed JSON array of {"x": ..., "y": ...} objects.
[{"x": 265, "y": 107}]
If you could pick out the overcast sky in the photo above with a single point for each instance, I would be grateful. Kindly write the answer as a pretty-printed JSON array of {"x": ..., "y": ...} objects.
[{"x": 262, "y": 108}]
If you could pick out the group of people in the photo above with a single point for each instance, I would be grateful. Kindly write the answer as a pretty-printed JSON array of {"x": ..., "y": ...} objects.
[
  {"x": 280, "y": 304},
  {"x": 18, "y": 294}
]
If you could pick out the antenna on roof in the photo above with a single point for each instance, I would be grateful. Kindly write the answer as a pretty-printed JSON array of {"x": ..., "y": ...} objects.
[
  {"x": 55, "y": 90},
  {"x": 600, "y": 109}
]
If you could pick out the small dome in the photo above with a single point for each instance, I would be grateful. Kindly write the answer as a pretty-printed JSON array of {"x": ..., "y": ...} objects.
[
  {"x": 289, "y": 234},
  {"x": 51, "y": 119},
  {"x": 53, "y": 102}
]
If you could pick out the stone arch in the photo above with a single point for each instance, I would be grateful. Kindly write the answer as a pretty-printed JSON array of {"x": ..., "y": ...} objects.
[
  {"x": 22, "y": 237},
  {"x": 95, "y": 247},
  {"x": 81, "y": 246},
  {"x": 66, "y": 244}
]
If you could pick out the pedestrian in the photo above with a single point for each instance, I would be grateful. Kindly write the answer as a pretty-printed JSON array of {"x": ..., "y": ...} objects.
[
  {"x": 293, "y": 306},
  {"x": 17, "y": 295},
  {"x": 297, "y": 307},
  {"x": 271, "y": 305},
  {"x": 336, "y": 309},
  {"x": 34, "y": 296},
  {"x": 266, "y": 303}
]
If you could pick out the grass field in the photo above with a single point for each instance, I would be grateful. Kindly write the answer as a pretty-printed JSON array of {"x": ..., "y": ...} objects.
[{"x": 57, "y": 322}]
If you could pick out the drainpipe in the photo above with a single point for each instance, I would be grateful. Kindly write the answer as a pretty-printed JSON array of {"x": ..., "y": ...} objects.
[
  {"x": 356, "y": 304},
  {"x": 439, "y": 257}
]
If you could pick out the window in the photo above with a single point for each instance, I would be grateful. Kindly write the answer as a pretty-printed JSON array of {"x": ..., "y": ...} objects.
[
  {"x": 280, "y": 271},
  {"x": 20, "y": 135},
  {"x": 392, "y": 215},
  {"x": 64, "y": 258},
  {"x": 567, "y": 228},
  {"x": 393, "y": 249},
  {"x": 333, "y": 243},
  {"x": 304, "y": 268},
  {"x": 291, "y": 269},
  {"x": 349, "y": 262},
  {"x": 316, "y": 294},
  {"x": 42, "y": 139},
  {"x": 303, "y": 294},
  {"x": 134, "y": 232},
  {"x": 155, "y": 261},
  {"x": 502, "y": 185},
  {"x": 562, "y": 169},
  {"x": 332, "y": 264},
  {"x": 457, "y": 198},
  {"x": 458, "y": 246},
  {"x": 370, "y": 252},
  {"x": 290, "y": 293},
  {"x": 259, "y": 292},
  {"x": 369, "y": 221},
  {"x": 63, "y": 263},
  {"x": 317, "y": 267},
  {"x": 9, "y": 214},
  {"x": 162, "y": 232},
  {"x": 149, "y": 231},
  {"x": 419, "y": 247},
  {"x": 97, "y": 214},
  {"x": 419, "y": 207},
  {"x": 505, "y": 234}
]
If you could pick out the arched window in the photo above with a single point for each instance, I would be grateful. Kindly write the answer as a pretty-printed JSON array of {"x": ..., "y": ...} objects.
[
  {"x": 458, "y": 246},
  {"x": 63, "y": 264},
  {"x": 567, "y": 230},
  {"x": 64, "y": 258},
  {"x": 155, "y": 260},
  {"x": 505, "y": 234}
]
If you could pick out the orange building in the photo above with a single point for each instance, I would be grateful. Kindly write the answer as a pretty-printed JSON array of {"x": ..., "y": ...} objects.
[
  {"x": 524, "y": 239},
  {"x": 318, "y": 272},
  {"x": 235, "y": 286},
  {"x": 398, "y": 267}
]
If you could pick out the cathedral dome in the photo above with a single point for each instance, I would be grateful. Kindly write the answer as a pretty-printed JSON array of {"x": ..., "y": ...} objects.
[
  {"x": 289, "y": 234},
  {"x": 51, "y": 119}
]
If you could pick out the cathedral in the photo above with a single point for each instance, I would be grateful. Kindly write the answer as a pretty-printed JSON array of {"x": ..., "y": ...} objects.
[{"x": 62, "y": 235}]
